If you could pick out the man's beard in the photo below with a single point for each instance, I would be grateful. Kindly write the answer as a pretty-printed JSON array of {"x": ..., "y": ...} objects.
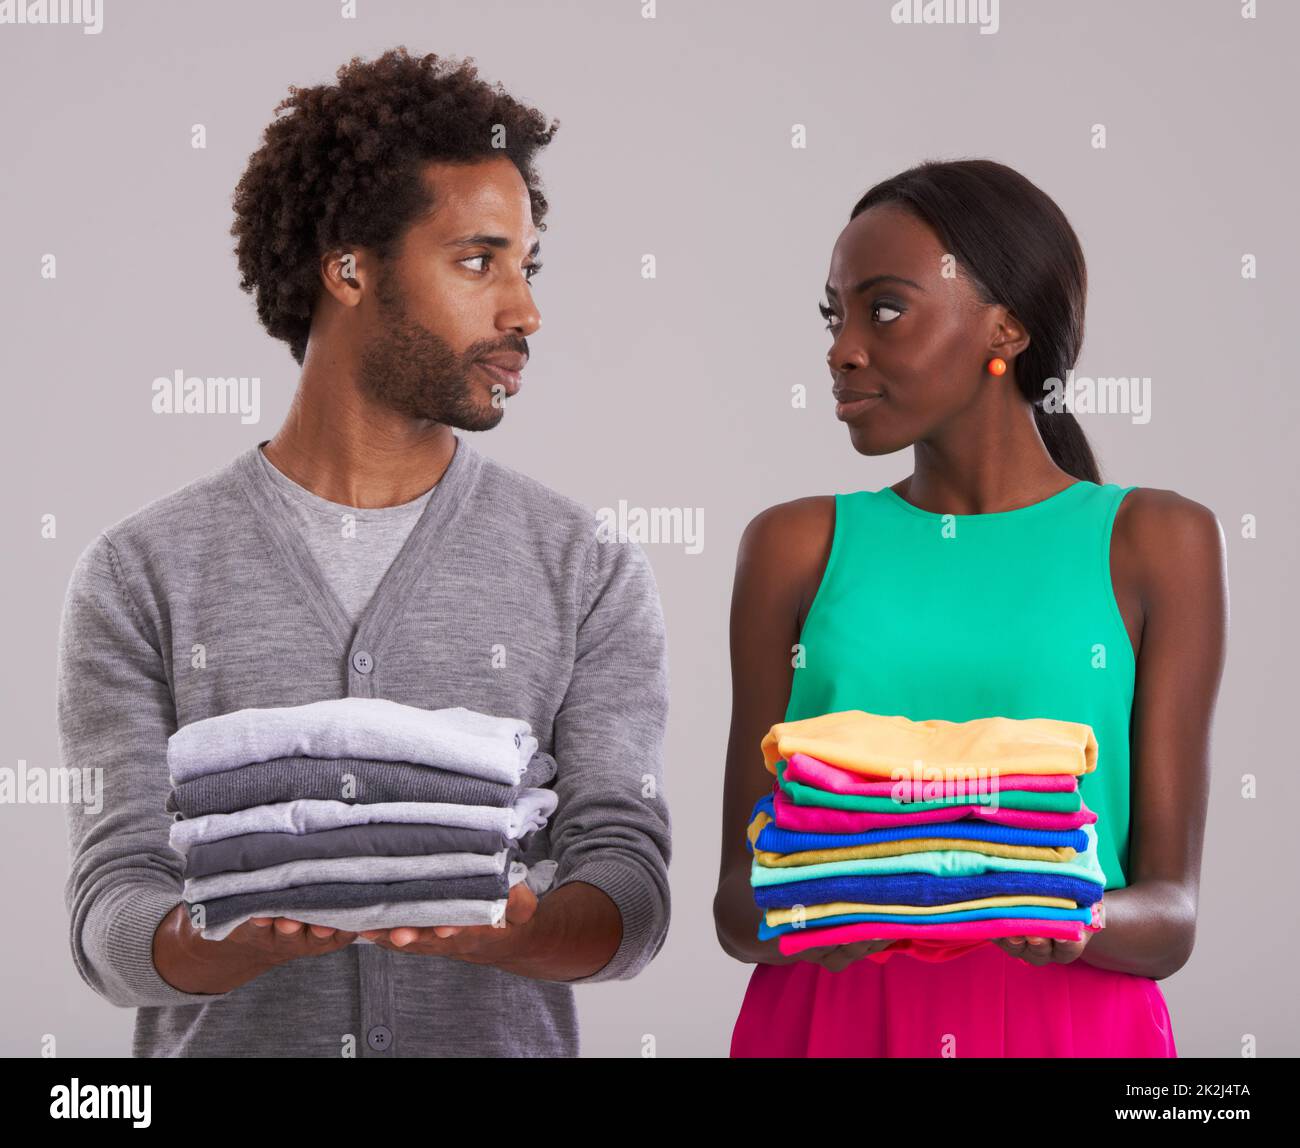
[{"x": 411, "y": 370}]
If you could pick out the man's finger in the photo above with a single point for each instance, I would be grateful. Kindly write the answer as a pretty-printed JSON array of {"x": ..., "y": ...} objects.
[{"x": 520, "y": 904}]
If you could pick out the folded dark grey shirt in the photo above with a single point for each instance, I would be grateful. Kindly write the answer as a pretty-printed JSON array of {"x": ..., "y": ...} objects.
[
  {"x": 251, "y": 851},
  {"x": 355, "y": 780}
]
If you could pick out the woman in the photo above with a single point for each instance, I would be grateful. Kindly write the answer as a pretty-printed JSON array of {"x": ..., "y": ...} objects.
[{"x": 956, "y": 293}]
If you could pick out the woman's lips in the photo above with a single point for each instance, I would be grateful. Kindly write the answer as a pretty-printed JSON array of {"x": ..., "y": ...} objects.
[
  {"x": 849, "y": 408},
  {"x": 509, "y": 379}
]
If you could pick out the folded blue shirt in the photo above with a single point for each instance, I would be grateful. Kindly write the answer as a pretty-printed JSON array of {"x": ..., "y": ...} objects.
[
  {"x": 776, "y": 840},
  {"x": 926, "y": 889},
  {"x": 1037, "y": 912}
]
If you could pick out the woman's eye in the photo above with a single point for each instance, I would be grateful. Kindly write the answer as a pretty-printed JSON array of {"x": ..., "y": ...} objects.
[{"x": 882, "y": 312}]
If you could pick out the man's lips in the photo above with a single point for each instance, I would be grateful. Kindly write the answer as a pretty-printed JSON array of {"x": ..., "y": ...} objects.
[{"x": 506, "y": 376}]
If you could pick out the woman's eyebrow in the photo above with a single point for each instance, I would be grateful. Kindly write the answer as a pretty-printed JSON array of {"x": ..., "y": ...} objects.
[{"x": 872, "y": 280}]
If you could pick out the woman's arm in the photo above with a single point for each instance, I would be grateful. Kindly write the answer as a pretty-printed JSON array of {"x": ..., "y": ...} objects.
[
  {"x": 1180, "y": 565},
  {"x": 779, "y": 567},
  {"x": 781, "y": 554}
]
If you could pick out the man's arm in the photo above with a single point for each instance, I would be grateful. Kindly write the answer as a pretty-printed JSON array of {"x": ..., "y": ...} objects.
[
  {"x": 115, "y": 713},
  {"x": 606, "y": 915},
  {"x": 611, "y": 829}
]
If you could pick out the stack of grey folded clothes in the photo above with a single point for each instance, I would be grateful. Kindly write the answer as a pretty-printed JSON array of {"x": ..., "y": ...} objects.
[{"x": 356, "y": 813}]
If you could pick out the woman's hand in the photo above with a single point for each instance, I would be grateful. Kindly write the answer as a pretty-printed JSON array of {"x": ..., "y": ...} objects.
[
  {"x": 838, "y": 957},
  {"x": 1043, "y": 950}
]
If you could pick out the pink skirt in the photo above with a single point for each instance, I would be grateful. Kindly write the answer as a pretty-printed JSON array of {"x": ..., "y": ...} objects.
[{"x": 985, "y": 1003}]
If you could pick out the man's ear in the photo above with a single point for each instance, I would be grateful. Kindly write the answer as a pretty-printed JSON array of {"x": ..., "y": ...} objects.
[{"x": 344, "y": 274}]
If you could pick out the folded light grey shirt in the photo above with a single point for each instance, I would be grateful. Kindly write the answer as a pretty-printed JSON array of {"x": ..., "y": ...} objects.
[
  {"x": 413, "y": 913},
  {"x": 453, "y": 738},
  {"x": 505, "y": 598},
  {"x": 422, "y": 867},
  {"x": 528, "y": 814}
]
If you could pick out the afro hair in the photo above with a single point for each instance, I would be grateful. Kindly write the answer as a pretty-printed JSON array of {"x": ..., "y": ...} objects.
[{"x": 342, "y": 168}]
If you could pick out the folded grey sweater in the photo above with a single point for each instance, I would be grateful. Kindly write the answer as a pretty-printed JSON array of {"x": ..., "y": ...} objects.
[
  {"x": 505, "y": 599},
  {"x": 350, "y": 779},
  {"x": 259, "y": 850}
]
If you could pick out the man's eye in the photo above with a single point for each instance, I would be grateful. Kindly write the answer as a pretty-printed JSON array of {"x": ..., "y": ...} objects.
[{"x": 529, "y": 271}]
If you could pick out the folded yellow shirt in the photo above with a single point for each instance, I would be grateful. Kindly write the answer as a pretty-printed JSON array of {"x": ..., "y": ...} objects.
[
  {"x": 896, "y": 747},
  {"x": 840, "y": 908}
]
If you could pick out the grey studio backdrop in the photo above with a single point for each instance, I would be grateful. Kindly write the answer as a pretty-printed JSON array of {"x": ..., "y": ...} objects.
[{"x": 675, "y": 391}]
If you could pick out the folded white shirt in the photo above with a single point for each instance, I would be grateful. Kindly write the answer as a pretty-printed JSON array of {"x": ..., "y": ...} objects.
[{"x": 456, "y": 738}]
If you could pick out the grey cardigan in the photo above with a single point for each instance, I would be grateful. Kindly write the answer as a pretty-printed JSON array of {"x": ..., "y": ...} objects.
[{"x": 502, "y": 600}]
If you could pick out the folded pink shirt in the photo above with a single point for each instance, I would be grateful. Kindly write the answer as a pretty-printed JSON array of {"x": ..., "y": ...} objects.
[
  {"x": 933, "y": 942},
  {"x": 823, "y": 775},
  {"x": 822, "y": 819}
]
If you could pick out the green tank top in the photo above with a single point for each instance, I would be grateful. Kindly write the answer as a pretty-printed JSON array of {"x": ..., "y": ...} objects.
[{"x": 965, "y": 616}]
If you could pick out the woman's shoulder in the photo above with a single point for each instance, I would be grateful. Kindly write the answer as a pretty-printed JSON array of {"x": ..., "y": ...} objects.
[
  {"x": 784, "y": 549},
  {"x": 811, "y": 514},
  {"x": 1164, "y": 532},
  {"x": 1152, "y": 513}
]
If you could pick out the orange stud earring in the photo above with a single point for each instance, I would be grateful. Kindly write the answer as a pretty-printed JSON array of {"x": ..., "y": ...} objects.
[{"x": 997, "y": 366}]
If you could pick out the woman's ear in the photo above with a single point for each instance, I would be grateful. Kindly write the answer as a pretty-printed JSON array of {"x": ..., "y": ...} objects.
[{"x": 1010, "y": 337}]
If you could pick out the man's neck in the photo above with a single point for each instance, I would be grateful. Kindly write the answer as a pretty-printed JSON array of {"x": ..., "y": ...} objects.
[{"x": 362, "y": 458}]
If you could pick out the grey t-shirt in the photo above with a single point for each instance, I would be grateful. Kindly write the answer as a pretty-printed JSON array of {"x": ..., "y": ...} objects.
[{"x": 353, "y": 547}]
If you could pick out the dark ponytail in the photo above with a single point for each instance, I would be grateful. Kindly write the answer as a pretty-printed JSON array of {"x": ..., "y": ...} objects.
[{"x": 1016, "y": 248}]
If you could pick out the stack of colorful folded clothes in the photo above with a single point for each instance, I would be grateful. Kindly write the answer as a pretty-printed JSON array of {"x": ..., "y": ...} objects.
[
  {"x": 936, "y": 835},
  {"x": 356, "y": 813}
]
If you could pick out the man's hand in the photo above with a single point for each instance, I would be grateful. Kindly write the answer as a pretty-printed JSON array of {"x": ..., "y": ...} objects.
[
  {"x": 479, "y": 944},
  {"x": 188, "y": 962}
]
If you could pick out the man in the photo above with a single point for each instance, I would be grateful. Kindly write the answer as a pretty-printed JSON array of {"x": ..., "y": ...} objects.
[{"x": 388, "y": 228}]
